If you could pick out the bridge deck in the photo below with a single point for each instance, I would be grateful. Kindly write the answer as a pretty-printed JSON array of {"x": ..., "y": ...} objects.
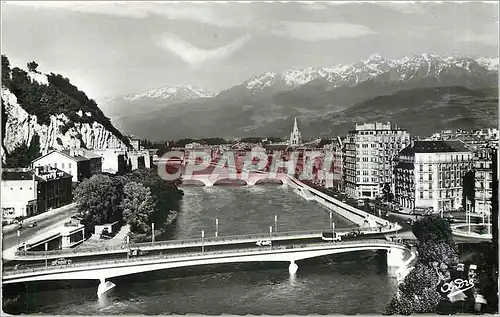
[
  {"x": 12, "y": 276},
  {"x": 184, "y": 244}
]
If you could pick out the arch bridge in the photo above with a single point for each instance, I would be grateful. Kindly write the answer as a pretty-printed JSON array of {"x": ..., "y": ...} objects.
[{"x": 248, "y": 178}]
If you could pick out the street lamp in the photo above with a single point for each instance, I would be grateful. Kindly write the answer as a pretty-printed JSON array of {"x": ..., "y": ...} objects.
[
  {"x": 152, "y": 233},
  {"x": 202, "y": 237},
  {"x": 331, "y": 219},
  {"x": 333, "y": 232},
  {"x": 46, "y": 248},
  {"x": 271, "y": 237},
  {"x": 18, "y": 238},
  {"x": 216, "y": 227},
  {"x": 275, "y": 223},
  {"x": 128, "y": 246}
]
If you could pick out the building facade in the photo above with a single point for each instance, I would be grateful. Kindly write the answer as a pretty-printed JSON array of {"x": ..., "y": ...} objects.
[
  {"x": 79, "y": 163},
  {"x": 27, "y": 192},
  {"x": 369, "y": 154},
  {"x": 483, "y": 179},
  {"x": 295, "y": 136},
  {"x": 429, "y": 174}
]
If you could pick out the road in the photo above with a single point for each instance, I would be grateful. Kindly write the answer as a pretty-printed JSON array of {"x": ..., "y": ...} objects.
[{"x": 53, "y": 219}]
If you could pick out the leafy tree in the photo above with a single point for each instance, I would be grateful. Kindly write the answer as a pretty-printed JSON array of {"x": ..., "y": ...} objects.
[
  {"x": 5, "y": 70},
  {"x": 432, "y": 228},
  {"x": 99, "y": 200},
  {"x": 440, "y": 251},
  {"x": 32, "y": 66},
  {"x": 138, "y": 207}
]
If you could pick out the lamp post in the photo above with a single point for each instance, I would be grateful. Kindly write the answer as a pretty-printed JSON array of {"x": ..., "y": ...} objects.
[
  {"x": 46, "y": 248},
  {"x": 128, "y": 246},
  {"x": 275, "y": 223},
  {"x": 152, "y": 233},
  {"x": 333, "y": 231},
  {"x": 216, "y": 227},
  {"x": 271, "y": 237},
  {"x": 18, "y": 238},
  {"x": 331, "y": 219},
  {"x": 202, "y": 238}
]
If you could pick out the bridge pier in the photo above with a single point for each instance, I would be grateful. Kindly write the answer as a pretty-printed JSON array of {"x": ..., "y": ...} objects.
[
  {"x": 104, "y": 286},
  {"x": 395, "y": 257},
  {"x": 293, "y": 268}
]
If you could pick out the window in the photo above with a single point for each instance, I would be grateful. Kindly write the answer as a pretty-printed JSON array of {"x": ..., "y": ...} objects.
[
  {"x": 421, "y": 168},
  {"x": 69, "y": 165},
  {"x": 20, "y": 188},
  {"x": 430, "y": 195},
  {"x": 421, "y": 195},
  {"x": 62, "y": 165},
  {"x": 55, "y": 165}
]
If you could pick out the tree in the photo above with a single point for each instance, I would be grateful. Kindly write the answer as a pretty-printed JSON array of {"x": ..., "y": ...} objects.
[
  {"x": 138, "y": 207},
  {"x": 99, "y": 200},
  {"x": 432, "y": 228},
  {"x": 32, "y": 66}
]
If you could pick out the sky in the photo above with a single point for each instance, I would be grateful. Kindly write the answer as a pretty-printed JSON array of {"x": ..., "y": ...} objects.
[{"x": 118, "y": 48}]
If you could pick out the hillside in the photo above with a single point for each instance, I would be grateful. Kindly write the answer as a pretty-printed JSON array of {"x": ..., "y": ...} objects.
[
  {"x": 422, "y": 111},
  {"x": 266, "y": 104},
  {"x": 42, "y": 112}
]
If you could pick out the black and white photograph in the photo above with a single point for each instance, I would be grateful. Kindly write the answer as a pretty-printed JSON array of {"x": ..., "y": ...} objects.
[{"x": 249, "y": 157}]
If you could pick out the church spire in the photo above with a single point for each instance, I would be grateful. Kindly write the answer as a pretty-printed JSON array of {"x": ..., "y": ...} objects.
[{"x": 295, "y": 136}]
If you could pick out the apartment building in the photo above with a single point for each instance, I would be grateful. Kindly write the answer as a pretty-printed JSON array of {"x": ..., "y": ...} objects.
[
  {"x": 483, "y": 179},
  {"x": 27, "y": 192},
  {"x": 429, "y": 174},
  {"x": 369, "y": 154}
]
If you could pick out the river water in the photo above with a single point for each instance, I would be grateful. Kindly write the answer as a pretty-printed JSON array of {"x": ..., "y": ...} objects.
[{"x": 338, "y": 284}]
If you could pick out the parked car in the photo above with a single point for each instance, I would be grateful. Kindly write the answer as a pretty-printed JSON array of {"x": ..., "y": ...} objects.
[
  {"x": 409, "y": 221},
  {"x": 136, "y": 252},
  {"x": 262, "y": 243},
  {"x": 33, "y": 224},
  {"x": 61, "y": 261}
]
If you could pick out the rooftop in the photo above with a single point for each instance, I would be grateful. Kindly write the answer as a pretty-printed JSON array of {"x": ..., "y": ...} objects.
[{"x": 434, "y": 147}]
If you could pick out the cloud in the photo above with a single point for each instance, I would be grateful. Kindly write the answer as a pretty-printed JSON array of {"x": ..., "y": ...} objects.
[
  {"x": 196, "y": 56},
  {"x": 198, "y": 12},
  {"x": 404, "y": 7},
  {"x": 486, "y": 39},
  {"x": 310, "y": 31}
]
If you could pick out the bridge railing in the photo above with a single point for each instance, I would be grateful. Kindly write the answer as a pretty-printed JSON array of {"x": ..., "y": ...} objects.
[
  {"x": 258, "y": 250},
  {"x": 248, "y": 238}
]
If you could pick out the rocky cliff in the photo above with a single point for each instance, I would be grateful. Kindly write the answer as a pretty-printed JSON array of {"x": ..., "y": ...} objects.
[{"x": 39, "y": 112}]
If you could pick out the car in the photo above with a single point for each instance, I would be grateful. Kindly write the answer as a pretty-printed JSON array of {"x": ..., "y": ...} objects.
[
  {"x": 409, "y": 221},
  {"x": 21, "y": 267},
  {"x": 262, "y": 243},
  {"x": 33, "y": 224},
  {"x": 61, "y": 261}
]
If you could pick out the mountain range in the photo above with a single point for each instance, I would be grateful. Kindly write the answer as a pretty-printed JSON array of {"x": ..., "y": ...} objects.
[{"x": 327, "y": 101}]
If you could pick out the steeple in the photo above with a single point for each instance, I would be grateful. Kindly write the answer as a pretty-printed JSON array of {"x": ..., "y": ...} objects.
[{"x": 295, "y": 136}]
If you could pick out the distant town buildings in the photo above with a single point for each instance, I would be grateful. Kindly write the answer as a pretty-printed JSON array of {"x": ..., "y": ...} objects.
[
  {"x": 30, "y": 191},
  {"x": 114, "y": 161},
  {"x": 429, "y": 174},
  {"x": 370, "y": 150},
  {"x": 295, "y": 136}
]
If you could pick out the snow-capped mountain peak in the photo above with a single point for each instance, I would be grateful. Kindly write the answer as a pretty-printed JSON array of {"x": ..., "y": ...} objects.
[
  {"x": 183, "y": 92},
  {"x": 405, "y": 68},
  {"x": 490, "y": 63}
]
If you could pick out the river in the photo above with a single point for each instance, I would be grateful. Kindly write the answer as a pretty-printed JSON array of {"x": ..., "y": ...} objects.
[{"x": 338, "y": 284}]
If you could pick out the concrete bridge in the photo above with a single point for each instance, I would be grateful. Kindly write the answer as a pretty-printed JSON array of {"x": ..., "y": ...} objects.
[
  {"x": 102, "y": 270},
  {"x": 176, "y": 245}
]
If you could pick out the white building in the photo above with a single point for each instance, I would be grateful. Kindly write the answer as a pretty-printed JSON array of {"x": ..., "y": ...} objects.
[
  {"x": 370, "y": 150},
  {"x": 295, "y": 136},
  {"x": 79, "y": 163},
  {"x": 113, "y": 160},
  {"x": 429, "y": 174}
]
